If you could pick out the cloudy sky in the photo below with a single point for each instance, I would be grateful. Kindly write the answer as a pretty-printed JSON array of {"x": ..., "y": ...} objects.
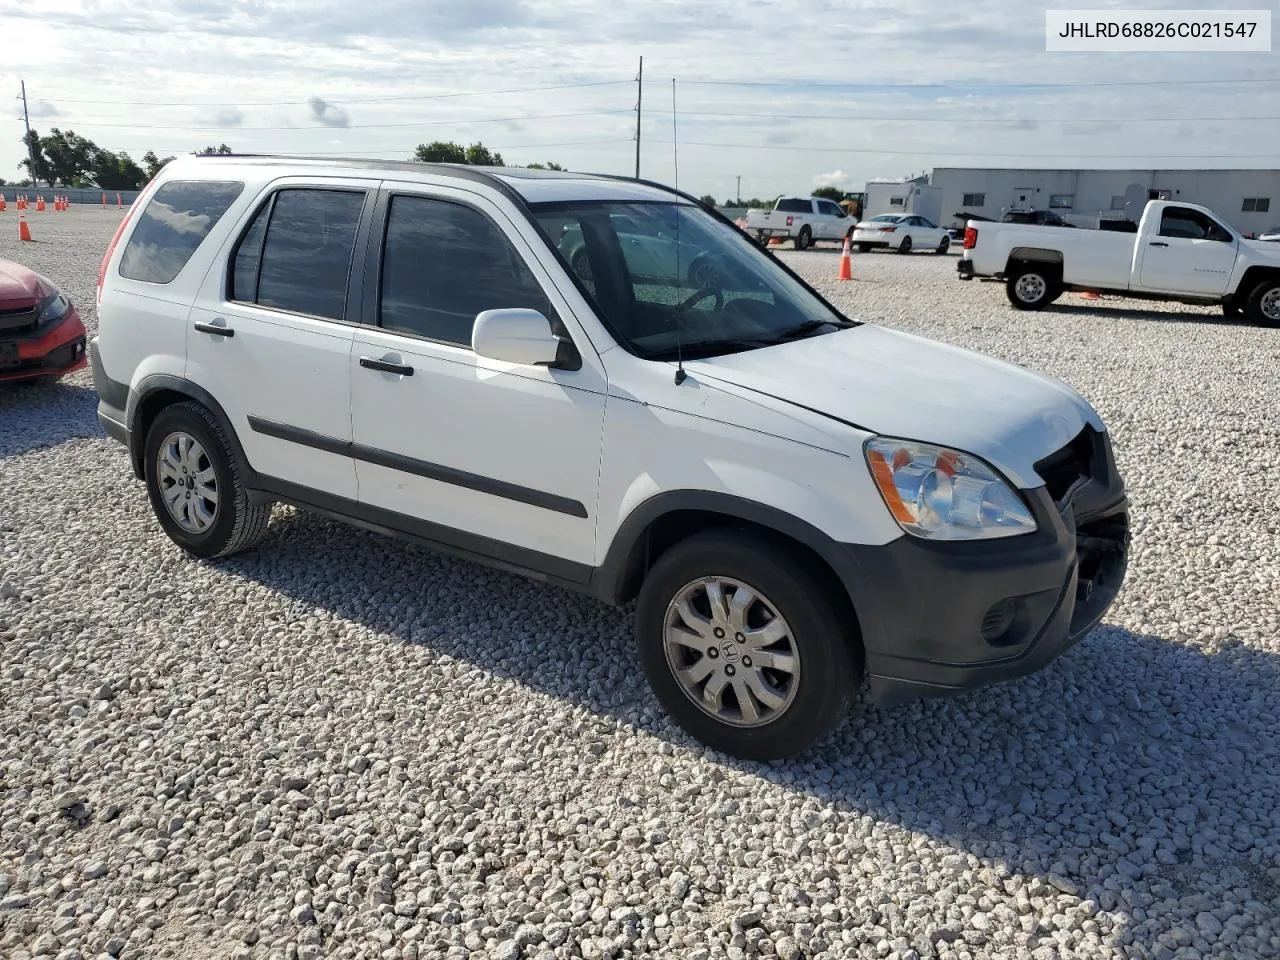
[{"x": 788, "y": 95}]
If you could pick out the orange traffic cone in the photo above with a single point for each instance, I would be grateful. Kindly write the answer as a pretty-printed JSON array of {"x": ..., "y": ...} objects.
[
  {"x": 24, "y": 232},
  {"x": 846, "y": 262},
  {"x": 1, "y": 203},
  {"x": 104, "y": 200},
  {"x": 39, "y": 203}
]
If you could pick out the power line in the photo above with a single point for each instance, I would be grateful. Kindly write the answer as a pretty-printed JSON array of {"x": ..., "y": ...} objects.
[
  {"x": 961, "y": 85},
  {"x": 911, "y": 119},
  {"x": 358, "y": 126},
  {"x": 344, "y": 100},
  {"x": 408, "y": 151},
  {"x": 948, "y": 152}
]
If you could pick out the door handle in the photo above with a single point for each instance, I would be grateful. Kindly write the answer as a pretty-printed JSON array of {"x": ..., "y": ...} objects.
[
  {"x": 215, "y": 330},
  {"x": 1158, "y": 243},
  {"x": 369, "y": 363}
]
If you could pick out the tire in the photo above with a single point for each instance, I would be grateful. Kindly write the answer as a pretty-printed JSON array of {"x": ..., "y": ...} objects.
[
  {"x": 864, "y": 248},
  {"x": 1032, "y": 288},
  {"x": 233, "y": 524},
  {"x": 904, "y": 247},
  {"x": 826, "y": 648},
  {"x": 944, "y": 246},
  {"x": 805, "y": 239},
  {"x": 1263, "y": 304}
]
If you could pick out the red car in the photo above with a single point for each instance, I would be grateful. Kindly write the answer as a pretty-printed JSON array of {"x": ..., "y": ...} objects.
[{"x": 40, "y": 332}]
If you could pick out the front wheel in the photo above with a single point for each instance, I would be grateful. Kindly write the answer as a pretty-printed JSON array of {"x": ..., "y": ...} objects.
[
  {"x": 1263, "y": 305},
  {"x": 195, "y": 490},
  {"x": 905, "y": 246},
  {"x": 1031, "y": 288},
  {"x": 742, "y": 646}
]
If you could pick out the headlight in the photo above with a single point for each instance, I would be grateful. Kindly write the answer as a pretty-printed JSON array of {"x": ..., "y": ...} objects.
[
  {"x": 942, "y": 494},
  {"x": 52, "y": 308}
]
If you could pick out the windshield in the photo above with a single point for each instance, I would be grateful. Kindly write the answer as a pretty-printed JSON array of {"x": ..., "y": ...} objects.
[{"x": 666, "y": 274}]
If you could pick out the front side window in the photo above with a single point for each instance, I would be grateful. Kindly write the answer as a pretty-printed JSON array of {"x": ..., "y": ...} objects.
[
  {"x": 172, "y": 226},
  {"x": 694, "y": 280},
  {"x": 442, "y": 264},
  {"x": 296, "y": 253},
  {"x": 1186, "y": 224}
]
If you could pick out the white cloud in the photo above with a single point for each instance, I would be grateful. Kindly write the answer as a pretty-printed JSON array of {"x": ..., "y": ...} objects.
[
  {"x": 836, "y": 178},
  {"x": 283, "y": 75}
]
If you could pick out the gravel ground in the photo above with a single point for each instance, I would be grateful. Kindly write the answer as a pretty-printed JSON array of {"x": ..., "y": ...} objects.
[{"x": 342, "y": 746}]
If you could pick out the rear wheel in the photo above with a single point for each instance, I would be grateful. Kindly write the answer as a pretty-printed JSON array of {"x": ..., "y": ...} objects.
[
  {"x": 905, "y": 246},
  {"x": 1263, "y": 305},
  {"x": 195, "y": 490},
  {"x": 743, "y": 647},
  {"x": 804, "y": 240},
  {"x": 1032, "y": 288}
]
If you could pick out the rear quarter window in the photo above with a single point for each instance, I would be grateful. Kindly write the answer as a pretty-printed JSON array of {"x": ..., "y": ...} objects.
[{"x": 173, "y": 225}]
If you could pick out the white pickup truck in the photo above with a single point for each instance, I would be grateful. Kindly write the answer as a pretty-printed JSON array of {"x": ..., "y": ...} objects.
[
  {"x": 1181, "y": 252},
  {"x": 805, "y": 220}
]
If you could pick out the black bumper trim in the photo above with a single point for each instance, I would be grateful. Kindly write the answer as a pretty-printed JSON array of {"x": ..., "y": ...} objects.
[{"x": 922, "y": 606}]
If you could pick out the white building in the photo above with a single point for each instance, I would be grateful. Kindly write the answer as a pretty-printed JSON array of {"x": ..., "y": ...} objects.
[
  {"x": 1243, "y": 198},
  {"x": 888, "y": 195}
]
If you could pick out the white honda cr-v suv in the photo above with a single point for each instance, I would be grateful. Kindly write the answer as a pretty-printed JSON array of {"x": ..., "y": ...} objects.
[{"x": 600, "y": 383}]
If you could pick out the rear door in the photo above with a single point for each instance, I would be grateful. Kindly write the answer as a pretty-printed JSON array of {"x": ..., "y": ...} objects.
[
  {"x": 270, "y": 336},
  {"x": 1191, "y": 253},
  {"x": 496, "y": 458}
]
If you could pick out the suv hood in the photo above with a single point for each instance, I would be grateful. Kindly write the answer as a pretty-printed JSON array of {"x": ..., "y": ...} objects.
[{"x": 905, "y": 386}]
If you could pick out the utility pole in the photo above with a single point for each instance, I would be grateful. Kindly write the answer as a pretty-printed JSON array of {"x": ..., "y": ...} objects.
[
  {"x": 739, "y": 190},
  {"x": 639, "y": 97},
  {"x": 31, "y": 150}
]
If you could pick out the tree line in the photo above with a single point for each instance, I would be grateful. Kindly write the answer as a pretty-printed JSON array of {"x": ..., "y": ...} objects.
[{"x": 66, "y": 159}]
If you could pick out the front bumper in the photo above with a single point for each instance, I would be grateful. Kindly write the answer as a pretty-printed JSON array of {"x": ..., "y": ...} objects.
[
  {"x": 964, "y": 268},
  {"x": 51, "y": 352},
  {"x": 941, "y": 618}
]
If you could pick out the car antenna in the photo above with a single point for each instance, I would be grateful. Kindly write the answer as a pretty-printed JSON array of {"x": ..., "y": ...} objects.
[{"x": 675, "y": 160}]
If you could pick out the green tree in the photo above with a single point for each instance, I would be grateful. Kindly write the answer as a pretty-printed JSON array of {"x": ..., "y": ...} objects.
[
  {"x": 31, "y": 141},
  {"x": 153, "y": 164},
  {"x": 208, "y": 151},
  {"x": 829, "y": 193},
  {"x": 442, "y": 151},
  {"x": 117, "y": 171},
  {"x": 546, "y": 166},
  {"x": 68, "y": 157},
  {"x": 707, "y": 200}
]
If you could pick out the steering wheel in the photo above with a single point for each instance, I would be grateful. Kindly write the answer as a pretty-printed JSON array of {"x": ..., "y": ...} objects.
[{"x": 699, "y": 295}]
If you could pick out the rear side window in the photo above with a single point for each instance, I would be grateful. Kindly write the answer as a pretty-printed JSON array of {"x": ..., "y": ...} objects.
[
  {"x": 296, "y": 253},
  {"x": 444, "y": 263},
  {"x": 171, "y": 228},
  {"x": 795, "y": 206}
]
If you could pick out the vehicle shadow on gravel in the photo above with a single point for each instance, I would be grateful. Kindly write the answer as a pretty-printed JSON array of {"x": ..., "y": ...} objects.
[
  {"x": 1130, "y": 771},
  {"x": 1214, "y": 317},
  {"x": 38, "y": 415}
]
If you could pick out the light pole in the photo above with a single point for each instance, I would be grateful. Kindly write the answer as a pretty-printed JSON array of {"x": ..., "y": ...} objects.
[{"x": 739, "y": 190}]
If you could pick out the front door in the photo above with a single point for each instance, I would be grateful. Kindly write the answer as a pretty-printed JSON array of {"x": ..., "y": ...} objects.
[
  {"x": 271, "y": 338},
  {"x": 1192, "y": 253},
  {"x": 496, "y": 458}
]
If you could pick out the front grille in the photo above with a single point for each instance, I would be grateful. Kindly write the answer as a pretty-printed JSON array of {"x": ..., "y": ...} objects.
[
  {"x": 18, "y": 322},
  {"x": 1063, "y": 468}
]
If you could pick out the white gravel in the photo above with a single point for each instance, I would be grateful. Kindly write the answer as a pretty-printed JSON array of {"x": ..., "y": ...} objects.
[{"x": 342, "y": 746}]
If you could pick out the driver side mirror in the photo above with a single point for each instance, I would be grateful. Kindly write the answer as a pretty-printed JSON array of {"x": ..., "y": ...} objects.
[{"x": 524, "y": 336}]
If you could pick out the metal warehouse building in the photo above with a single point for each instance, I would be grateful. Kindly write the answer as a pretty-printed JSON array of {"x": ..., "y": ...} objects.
[{"x": 1244, "y": 198}]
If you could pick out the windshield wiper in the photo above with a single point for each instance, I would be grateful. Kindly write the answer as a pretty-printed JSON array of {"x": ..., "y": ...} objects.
[
  {"x": 706, "y": 347},
  {"x": 807, "y": 327}
]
